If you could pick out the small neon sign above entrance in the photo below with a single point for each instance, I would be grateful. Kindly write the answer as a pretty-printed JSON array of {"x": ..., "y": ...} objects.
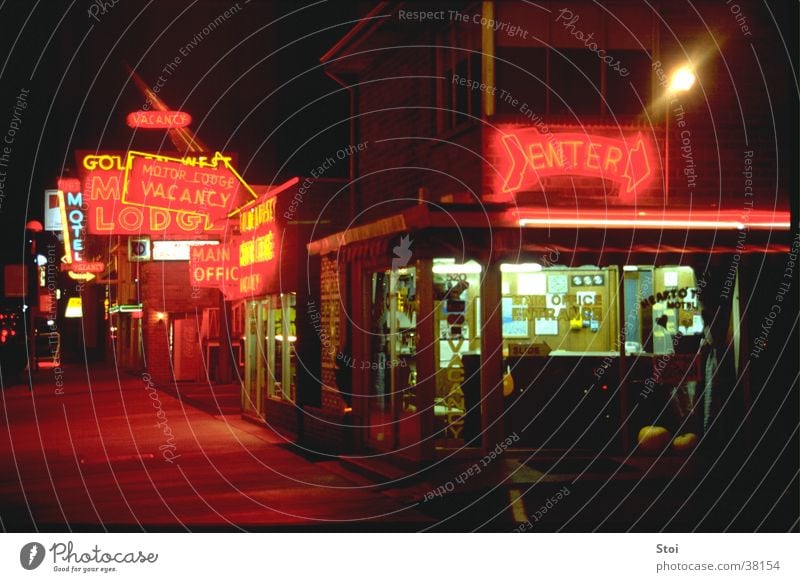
[{"x": 529, "y": 156}]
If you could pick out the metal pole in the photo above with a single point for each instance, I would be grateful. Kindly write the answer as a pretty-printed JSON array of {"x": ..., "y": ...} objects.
[{"x": 666, "y": 152}]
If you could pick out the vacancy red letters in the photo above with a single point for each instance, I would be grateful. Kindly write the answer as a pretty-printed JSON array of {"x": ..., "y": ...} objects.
[
  {"x": 200, "y": 189},
  {"x": 158, "y": 119}
]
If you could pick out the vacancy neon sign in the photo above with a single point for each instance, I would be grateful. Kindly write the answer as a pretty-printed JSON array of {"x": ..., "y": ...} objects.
[
  {"x": 529, "y": 156},
  {"x": 158, "y": 119},
  {"x": 208, "y": 188}
]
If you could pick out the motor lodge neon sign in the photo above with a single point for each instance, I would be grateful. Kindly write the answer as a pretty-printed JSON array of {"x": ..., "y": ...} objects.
[
  {"x": 105, "y": 175},
  {"x": 528, "y": 156},
  {"x": 206, "y": 187}
]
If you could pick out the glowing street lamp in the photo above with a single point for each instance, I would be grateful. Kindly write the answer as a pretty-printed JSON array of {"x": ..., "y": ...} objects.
[{"x": 681, "y": 80}]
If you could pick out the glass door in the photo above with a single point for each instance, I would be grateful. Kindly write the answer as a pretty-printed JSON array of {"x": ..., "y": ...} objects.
[
  {"x": 393, "y": 421},
  {"x": 252, "y": 400},
  {"x": 282, "y": 357},
  {"x": 457, "y": 324}
]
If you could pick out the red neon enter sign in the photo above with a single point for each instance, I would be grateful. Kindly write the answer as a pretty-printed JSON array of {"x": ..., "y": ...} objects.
[{"x": 528, "y": 156}]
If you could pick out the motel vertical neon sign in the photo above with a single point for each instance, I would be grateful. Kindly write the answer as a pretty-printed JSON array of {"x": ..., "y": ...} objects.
[{"x": 73, "y": 218}]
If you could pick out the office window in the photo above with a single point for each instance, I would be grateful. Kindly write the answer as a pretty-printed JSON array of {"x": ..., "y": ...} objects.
[
  {"x": 570, "y": 81},
  {"x": 457, "y": 104}
]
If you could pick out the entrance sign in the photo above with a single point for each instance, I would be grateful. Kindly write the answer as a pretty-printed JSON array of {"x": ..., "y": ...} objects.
[
  {"x": 158, "y": 119},
  {"x": 528, "y": 156},
  {"x": 195, "y": 186}
]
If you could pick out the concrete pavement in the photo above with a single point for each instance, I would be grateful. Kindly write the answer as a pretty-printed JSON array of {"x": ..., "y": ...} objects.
[{"x": 96, "y": 449}]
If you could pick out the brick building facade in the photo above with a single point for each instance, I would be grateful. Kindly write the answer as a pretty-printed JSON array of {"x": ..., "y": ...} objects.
[{"x": 435, "y": 91}]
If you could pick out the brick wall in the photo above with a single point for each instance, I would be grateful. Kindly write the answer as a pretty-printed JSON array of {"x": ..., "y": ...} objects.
[
  {"x": 282, "y": 417},
  {"x": 165, "y": 288},
  {"x": 396, "y": 102},
  {"x": 325, "y": 430},
  {"x": 731, "y": 109}
]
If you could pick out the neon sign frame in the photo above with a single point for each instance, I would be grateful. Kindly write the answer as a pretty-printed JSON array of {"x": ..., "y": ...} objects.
[
  {"x": 531, "y": 156},
  {"x": 156, "y": 119},
  {"x": 200, "y": 162}
]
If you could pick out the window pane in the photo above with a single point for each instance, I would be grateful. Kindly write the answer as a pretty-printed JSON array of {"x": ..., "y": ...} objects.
[
  {"x": 621, "y": 91},
  {"x": 528, "y": 85},
  {"x": 457, "y": 401},
  {"x": 560, "y": 355},
  {"x": 667, "y": 376},
  {"x": 571, "y": 310},
  {"x": 575, "y": 81},
  {"x": 461, "y": 103}
]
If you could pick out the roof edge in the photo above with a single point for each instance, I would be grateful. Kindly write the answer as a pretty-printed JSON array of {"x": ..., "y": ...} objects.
[{"x": 363, "y": 23}]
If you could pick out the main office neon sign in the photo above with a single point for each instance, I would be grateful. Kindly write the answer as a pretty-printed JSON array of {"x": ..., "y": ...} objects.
[{"x": 529, "y": 156}]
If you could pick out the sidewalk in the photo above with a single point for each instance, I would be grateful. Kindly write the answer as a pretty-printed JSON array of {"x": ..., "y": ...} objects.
[
  {"x": 215, "y": 399},
  {"x": 96, "y": 449}
]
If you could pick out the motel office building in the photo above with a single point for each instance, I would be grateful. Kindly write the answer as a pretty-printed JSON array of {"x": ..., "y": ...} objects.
[{"x": 528, "y": 259}]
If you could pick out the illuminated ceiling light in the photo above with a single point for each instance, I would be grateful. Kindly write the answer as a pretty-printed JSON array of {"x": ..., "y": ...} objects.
[
  {"x": 665, "y": 223},
  {"x": 134, "y": 308},
  {"x": 74, "y": 308},
  {"x": 292, "y": 338},
  {"x": 630, "y": 268},
  {"x": 520, "y": 267},
  {"x": 453, "y": 269},
  {"x": 682, "y": 79},
  {"x": 41, "y": 260}
]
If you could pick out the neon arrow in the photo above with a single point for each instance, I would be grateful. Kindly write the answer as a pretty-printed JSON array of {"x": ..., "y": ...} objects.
[
  {"x": 519, "y": 162},
  {"x": 81, "y": 276},
  {"x": 532, "y": 156},
  {"x": 637, "y": 170}
]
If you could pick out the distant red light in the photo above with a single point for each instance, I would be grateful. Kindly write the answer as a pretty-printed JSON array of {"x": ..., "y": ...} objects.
[
  {"x": 69, "y": 185},
  {"x": 604, "y": 387},
  {"x": 158, "y": 119}
]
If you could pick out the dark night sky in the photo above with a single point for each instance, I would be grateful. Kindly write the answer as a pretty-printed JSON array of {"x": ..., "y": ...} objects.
[{"x": 73, "y": 66}]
